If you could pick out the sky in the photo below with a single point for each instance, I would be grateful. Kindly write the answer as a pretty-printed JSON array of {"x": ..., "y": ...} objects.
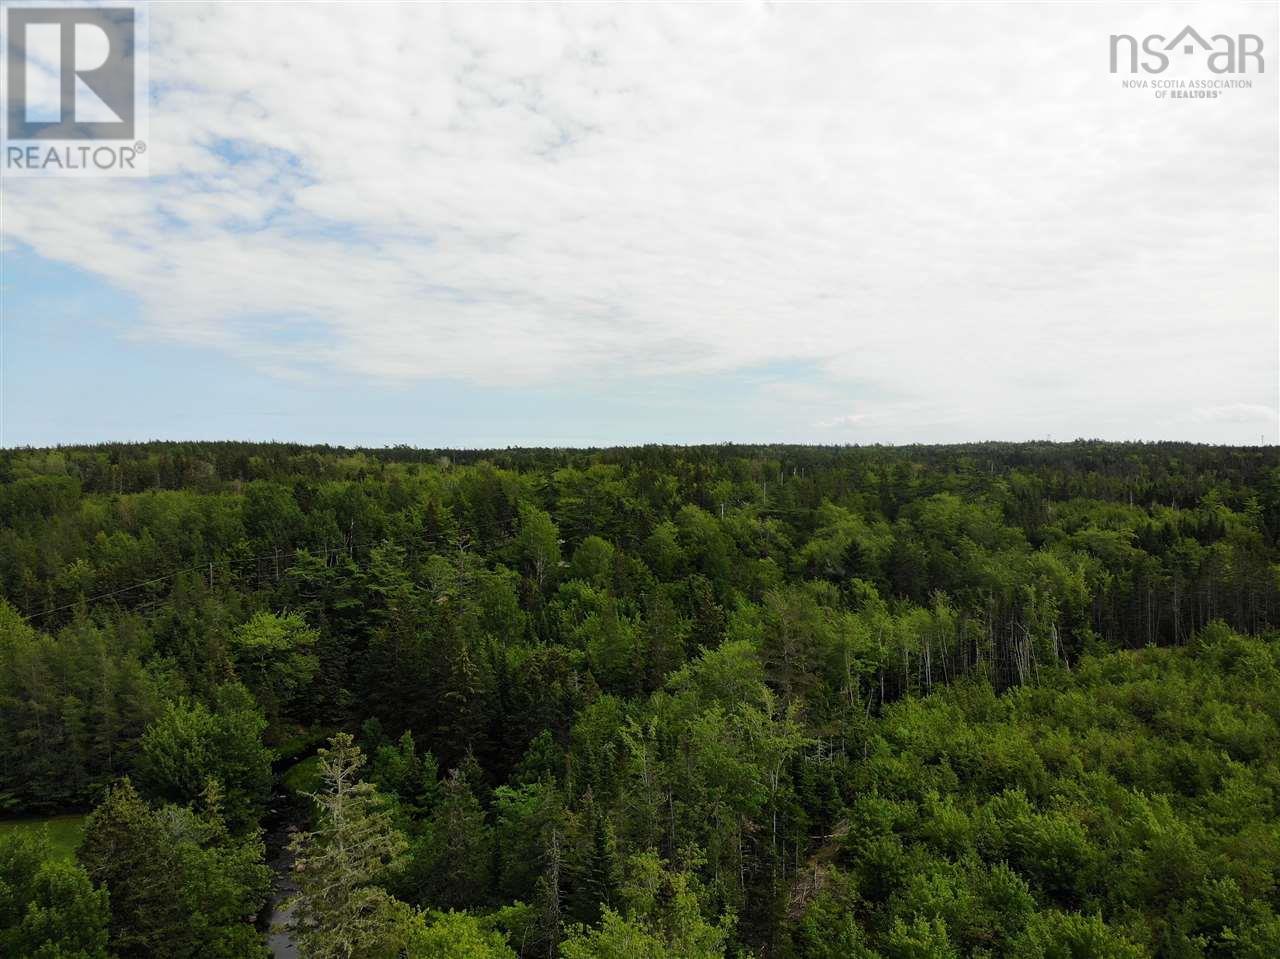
[{"x": 607, "y": 223}]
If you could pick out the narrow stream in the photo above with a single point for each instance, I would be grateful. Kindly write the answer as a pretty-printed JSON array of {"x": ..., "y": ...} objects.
[
  {"x": 287, "y": 820},
  {"x": 287, "y": 814}
]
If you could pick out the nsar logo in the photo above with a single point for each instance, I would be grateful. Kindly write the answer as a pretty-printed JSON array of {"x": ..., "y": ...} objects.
[{"x": 1223, "y": 52}]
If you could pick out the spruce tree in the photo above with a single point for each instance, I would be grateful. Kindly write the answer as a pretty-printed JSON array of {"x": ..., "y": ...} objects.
[{"x": 339, "y": 912}]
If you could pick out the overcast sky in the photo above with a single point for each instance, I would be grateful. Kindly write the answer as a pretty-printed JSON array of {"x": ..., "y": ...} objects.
[{"x": 608, "y": 223}]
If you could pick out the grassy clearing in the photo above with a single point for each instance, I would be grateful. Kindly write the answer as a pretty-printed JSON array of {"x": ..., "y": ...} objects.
[
  {"x": 65, "y": 832},
  {"x": 303, "y": 777},
  {"x": 291, "y": 742}
]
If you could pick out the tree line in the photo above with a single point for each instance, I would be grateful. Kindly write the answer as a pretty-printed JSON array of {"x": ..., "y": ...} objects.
[{"x": 770, "y": 701}]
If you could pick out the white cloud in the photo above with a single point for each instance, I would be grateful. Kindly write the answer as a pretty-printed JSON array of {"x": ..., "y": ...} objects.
[
  {"x": 849, "y": 420},
  {"x": 956, "y": 207},
  {"x": 1238, "y": 413}
]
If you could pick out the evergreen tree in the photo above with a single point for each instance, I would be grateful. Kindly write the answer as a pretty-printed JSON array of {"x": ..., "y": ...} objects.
[
  {"x": 339, "y": 911},
  {"x": 179, "y": 884}
]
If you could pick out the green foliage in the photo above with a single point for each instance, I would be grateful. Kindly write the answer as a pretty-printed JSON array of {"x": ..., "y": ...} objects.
[
  {"x": 302, "y": 777},
  {"x": 61, "y": 834},
  {"x": 399, "y": 771},
  {"x": 920, "y": 939},
  {"x": 452, "y": 858},
  {"x": 273, "y": 657},
  {"x": 179, "y": 884},
  {"x": 593, "y": 562},
  {"x": 189, "y": 745},
  {"x": 338, "y": 910},
  {"x": 1128, "y": 825},
  {"x": 538, "y": 547},
  {"x": 992, "y": 700},
  {"x": 49, "y": 908},
  {"x": 454, "y": 935},
  {"x": 663, "y": 920},
  {"x": 72, "y": 709},
  {"x": 1056, "y": 935}
]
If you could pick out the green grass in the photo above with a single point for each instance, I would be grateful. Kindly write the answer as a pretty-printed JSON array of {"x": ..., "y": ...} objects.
[
  {"x": 303, "y": 777},
  {"x": 291, "y": 741},
  {"x": 64, "y": 832}
]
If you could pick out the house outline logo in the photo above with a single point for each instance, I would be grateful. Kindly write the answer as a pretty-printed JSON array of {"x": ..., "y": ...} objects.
[
  {"x": 1223, "y": 53},
  {"x": 1188, "y": 31}
]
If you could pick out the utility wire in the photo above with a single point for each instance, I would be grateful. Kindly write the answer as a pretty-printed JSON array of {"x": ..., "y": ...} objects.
[{"x": 178, "y": 572}]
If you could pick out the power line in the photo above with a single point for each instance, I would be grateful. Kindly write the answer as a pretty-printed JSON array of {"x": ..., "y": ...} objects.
[
  {"x": 114, "y": 592},
  {"x": 164, "y": 601},
  {"x": 178, "y": 572}
]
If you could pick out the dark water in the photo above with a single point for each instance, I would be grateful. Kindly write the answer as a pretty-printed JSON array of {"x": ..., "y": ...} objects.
[{"x": 285, "y": 818}]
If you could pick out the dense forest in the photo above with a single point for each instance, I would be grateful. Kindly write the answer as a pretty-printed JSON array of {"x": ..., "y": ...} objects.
[{"x": 996, "y": 700}]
